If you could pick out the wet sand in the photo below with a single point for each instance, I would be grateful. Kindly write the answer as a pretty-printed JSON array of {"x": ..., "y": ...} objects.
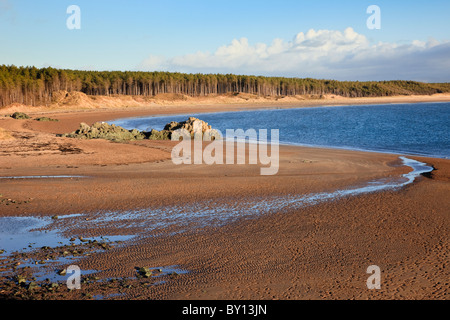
[{"x": 316, "y": 252}]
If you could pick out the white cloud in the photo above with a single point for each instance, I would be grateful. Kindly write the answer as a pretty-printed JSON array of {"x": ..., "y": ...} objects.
[{"x": 330, "y": 54}]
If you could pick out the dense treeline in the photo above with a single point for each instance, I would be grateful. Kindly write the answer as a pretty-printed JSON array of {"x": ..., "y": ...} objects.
[{"x": 33, "y": 86}]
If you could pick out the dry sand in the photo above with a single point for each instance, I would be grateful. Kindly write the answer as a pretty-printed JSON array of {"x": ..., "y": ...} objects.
[
  {"x": 172, "y": 103},
  {"x": 318, "y": 252}
]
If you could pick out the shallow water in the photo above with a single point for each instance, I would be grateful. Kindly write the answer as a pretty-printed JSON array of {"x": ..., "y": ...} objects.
[
  {"x": 23, "y": 234},
  {"x": 42, "y": 177},
  {"x": 153, "y": 221},
  {"x": 28, "y": 233},
  {"x": 19, "y": 234},
  {"x": 50, "y": 273}
]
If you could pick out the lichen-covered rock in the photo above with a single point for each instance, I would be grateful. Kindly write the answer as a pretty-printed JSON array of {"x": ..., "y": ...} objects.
[
  {"x": 102, "y": 130},
  {"x": 20, "y": 115},
  {"x": 159, "y": 135},
  {"x": 171, "y": 126},
  {"x": 46, "y": 119},
  {"x": 145, "y": 272}
]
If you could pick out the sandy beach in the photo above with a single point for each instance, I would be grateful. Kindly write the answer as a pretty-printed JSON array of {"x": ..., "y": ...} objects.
[{"x": 317, "y": 252}]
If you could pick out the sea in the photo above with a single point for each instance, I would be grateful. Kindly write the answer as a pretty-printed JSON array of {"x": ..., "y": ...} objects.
[{"x": 407, "y": 129}]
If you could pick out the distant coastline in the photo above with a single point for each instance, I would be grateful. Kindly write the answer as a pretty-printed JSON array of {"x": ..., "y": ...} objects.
[
  {"x": 49, "y": 86},
  {"x": 176, "y": 104}
]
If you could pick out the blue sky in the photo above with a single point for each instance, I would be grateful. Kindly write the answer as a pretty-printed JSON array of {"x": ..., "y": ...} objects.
[{"x": 255, "y": 36}]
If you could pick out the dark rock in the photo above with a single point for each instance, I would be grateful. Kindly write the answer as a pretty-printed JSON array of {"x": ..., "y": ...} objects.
[
  {"x": 46, "y": 119},
  {"x": 145, "y": 272},
  {"x": 21, "y": 279},
  {"x": 62, "y": 272},
  {"x": 20, "y": 115},
  {"x": 160, "y": 135},
  {"x": 32, "y": 286}
]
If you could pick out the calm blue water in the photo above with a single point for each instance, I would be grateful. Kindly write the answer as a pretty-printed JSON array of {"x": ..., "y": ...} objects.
[{"x": 417, "y": 129}]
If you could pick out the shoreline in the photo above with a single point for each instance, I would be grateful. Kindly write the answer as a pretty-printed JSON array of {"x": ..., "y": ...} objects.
[
  {"x": 430, "y": 156},
  {"x": 214, "y": 104},
  {"x": 317, "y": 252},
  {"x": 113, "y": 114},
  {"x": 283, "y": 143}
]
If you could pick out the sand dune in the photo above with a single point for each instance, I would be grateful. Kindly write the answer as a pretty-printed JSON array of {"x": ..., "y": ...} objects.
[{"x": 72, "y": 101}]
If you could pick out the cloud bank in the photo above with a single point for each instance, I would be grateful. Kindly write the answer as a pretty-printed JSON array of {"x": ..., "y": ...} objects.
[{"x": 326, "y": 54}]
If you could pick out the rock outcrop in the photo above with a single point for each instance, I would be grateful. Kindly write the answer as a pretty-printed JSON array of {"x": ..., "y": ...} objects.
[
  {"x": 46, "y": 119},
  {"x": 20, "y": 115},
  {"x": 102, "y": 130},
  {"x": 191, "y": 125}
]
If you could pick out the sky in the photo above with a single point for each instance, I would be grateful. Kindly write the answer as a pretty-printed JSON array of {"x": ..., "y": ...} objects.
[{"x": 325, "y": 39}]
